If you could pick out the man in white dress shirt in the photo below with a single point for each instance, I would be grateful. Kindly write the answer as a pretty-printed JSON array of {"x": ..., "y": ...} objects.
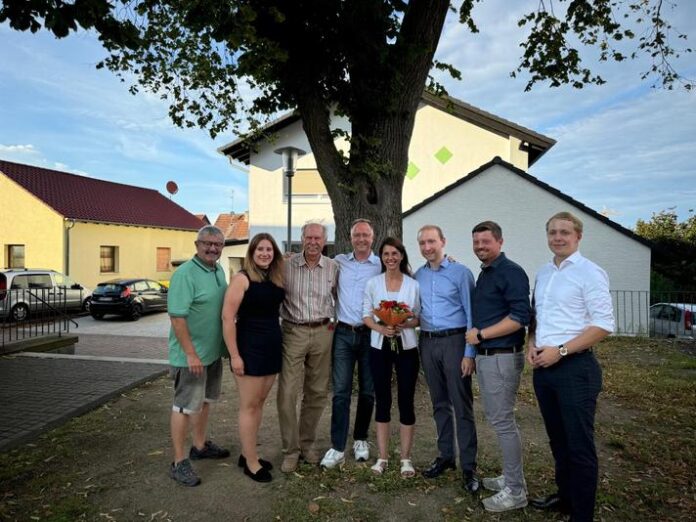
[{"x": 573, "y": 312}]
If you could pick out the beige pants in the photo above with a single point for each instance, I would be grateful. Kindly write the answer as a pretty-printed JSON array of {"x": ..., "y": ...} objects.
[{"x": 306, "y": 363}]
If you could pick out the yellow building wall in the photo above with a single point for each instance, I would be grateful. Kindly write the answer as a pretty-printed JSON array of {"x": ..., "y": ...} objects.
[
  {"x": 26, "y": 220},
  {"x": 443, "y": 149},
  {"x": 137, "y": 251}
]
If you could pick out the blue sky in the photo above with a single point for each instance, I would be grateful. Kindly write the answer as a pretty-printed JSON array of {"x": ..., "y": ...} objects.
[{"x": 624, "y": 148}]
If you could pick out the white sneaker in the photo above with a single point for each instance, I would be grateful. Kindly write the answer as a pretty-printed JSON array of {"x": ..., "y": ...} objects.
[
  {"x": 361, "y": 449},
  {"x": 332, "y": 459},
  {"x": 498, "y": 483},
  {"x": 504, "y": 500}
]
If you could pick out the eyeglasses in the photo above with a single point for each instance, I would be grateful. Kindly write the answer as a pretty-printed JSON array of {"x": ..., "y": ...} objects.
[{"x": 208, "y": 244}]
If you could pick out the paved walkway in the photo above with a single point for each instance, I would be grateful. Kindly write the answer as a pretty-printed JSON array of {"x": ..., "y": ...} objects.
[{"x": 39, "y": 391}]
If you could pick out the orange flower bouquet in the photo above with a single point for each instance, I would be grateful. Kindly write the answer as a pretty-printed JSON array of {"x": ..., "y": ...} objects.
[{"x": 392, "y": 313}]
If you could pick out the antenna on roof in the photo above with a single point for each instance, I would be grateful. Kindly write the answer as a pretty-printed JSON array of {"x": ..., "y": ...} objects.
[
  {"x": 232, "y": 198},
  {"x": 172, "y": 188}
]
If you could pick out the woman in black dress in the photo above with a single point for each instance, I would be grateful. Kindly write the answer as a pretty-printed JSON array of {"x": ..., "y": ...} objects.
[{"x": 252, "y": 334}]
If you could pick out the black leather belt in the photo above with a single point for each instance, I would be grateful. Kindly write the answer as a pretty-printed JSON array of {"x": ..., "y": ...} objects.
[
  {"x": 498, "y": 351},
  {"x": 581, "y": 352},
  {"x": 311, "y": 324},
  {"x": 355, "y": 329},
  {"x": 589, "y": 350},
  {"x": 443, "y": 333}
]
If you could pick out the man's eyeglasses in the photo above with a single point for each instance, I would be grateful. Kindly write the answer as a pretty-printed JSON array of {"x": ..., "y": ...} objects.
[{"x": 208, "y": 244}]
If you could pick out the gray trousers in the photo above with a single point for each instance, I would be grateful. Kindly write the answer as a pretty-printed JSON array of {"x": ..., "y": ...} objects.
[
  {"x": 452, "y": 398},
  {"x": 499, "y": 379}
]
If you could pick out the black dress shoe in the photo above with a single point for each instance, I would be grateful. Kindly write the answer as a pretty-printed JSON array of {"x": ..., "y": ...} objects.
[
  {"x": 438, "y": 467},
  {"x": 262, "y": 475},
  {"x": 551, "y": 503},
  {"x": 470, "y": 482},
  {"x": 264, "y": 463}
]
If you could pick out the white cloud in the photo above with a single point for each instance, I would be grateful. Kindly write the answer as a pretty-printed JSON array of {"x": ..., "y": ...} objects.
[{"x": 621, "y": 146}]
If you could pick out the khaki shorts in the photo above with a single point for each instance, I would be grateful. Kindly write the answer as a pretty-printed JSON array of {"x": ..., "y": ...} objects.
[{"x": 191, "y": 391}]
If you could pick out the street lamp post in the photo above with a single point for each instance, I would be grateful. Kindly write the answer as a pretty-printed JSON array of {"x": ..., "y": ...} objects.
[{"x": 289, "y": 156}]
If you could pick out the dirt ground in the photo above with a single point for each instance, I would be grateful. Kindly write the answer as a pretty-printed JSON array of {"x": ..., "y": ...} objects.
[
  {"x": 112, "y": 464},
  {"x": 122, "y": 451}
]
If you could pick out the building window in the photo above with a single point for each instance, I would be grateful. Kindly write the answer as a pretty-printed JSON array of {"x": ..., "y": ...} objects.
[
  {"x": 164, "y": 257},
  {"x": 305, "y": 182},
  {"x": 15, "y": 256},
  {"x": 108, "y": 259}
]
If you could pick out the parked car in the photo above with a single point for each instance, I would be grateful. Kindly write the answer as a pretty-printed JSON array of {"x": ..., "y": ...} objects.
[
  {"x": 24, "y": 291},
  {"x": 673, "y": 320},
  {"x": 128, "y": 298}
]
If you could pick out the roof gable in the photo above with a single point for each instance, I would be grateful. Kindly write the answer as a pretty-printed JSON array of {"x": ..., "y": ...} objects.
[
  {"x": 544, "y": 186},
  {"x": 233, "y": 226},
  {"x": 536, "y": 144},
  {"x": 88, "y": 199}
]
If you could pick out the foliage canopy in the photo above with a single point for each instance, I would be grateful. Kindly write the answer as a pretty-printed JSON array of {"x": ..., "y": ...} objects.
[{"x": 232, "y": 65}]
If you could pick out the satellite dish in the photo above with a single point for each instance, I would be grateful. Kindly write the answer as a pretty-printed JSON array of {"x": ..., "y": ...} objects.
[{"x": 172, "y": 187}]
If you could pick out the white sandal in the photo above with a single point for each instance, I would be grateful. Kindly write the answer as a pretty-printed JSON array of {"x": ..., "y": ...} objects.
[
  {"x": 407, "y": 469},
  {"x": 380, "y": 466}
]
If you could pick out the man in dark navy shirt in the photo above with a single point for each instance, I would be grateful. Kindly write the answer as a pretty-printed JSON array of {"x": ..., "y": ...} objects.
[{"x": 500, "y": 312}]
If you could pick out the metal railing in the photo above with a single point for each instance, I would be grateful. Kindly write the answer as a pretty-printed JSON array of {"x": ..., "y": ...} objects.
[
  {"x": 655, "y": 314},
  {"x": 35, "y": 312}
]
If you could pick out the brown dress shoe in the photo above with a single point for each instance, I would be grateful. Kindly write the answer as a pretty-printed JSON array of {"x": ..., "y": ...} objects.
[
  {"x": 289, "y": 463},
  {"x": 311, "y": 456}
]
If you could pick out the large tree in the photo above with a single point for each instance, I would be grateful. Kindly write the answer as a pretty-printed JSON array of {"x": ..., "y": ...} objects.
[
  {"x": 230, "y": 65},
  {"x": 673, "y": 266}
]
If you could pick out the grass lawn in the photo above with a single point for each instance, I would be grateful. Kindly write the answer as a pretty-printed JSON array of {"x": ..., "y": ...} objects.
[{"x": 111, "y": 464}]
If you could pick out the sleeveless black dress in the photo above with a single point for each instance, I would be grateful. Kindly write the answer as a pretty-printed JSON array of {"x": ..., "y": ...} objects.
[{"x": 259, "y": 339}]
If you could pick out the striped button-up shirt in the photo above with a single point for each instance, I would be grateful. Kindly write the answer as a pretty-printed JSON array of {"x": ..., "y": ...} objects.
[{"x": 309, "y": 292}]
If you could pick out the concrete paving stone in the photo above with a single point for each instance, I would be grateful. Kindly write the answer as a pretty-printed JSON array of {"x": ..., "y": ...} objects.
[{"x": 38, "y": 394}]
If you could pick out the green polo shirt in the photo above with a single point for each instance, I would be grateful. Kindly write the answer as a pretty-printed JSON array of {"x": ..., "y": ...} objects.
[{"x": 196, "y": 292}]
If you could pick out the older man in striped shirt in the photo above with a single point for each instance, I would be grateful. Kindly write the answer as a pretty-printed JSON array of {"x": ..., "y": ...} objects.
[{"x": 310, "y": 285}]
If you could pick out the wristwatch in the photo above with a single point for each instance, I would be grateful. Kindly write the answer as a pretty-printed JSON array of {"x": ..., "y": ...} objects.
[
  {"x": 479, "y": 336},
  {"x": 563, "y": 350}
]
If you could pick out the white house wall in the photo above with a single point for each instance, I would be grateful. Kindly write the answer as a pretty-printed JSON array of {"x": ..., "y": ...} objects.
[
  {"x": 522, "y": 209},
  {"x": 469, "y": 145}
]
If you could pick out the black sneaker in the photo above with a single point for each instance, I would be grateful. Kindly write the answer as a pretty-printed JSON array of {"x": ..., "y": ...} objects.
[
  {"x": 209, "y": 451},
  {"x": 183, "y": 473}
]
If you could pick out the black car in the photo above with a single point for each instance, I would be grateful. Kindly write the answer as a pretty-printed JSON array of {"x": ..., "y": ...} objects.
[{"x": 128, "y": 297}]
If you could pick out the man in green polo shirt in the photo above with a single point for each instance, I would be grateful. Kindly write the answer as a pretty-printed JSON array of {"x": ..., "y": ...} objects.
[{"x": 196, "y": 346}]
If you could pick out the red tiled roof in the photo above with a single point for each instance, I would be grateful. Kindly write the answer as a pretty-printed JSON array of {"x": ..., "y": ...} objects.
[
  {"x": 234, "y": 226},
  {"x": 203, "y": 218},
  {"x": 89, "y": 199}
]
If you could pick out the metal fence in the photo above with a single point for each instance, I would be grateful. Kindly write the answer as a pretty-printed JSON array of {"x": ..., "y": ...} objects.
[
  {"x": 655, "y": 314},
  {"x": 36, "y": 312}
]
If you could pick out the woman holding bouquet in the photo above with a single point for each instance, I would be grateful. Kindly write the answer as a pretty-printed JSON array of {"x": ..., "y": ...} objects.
[
  {"x": 395, "y": 296},
  {"x": 251, "y": 327}
]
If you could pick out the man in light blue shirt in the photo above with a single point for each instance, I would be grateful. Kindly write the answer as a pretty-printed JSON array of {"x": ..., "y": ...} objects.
[
  {"x": 448, "y": 361},
  {"x": 351, "y": 344}
]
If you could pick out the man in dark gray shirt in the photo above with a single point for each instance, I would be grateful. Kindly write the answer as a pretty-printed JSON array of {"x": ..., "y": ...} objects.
[{"x": 500, "y": 311}]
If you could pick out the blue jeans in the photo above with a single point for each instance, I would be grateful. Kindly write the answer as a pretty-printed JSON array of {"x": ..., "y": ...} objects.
[{"x": 348, "y": 348}]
